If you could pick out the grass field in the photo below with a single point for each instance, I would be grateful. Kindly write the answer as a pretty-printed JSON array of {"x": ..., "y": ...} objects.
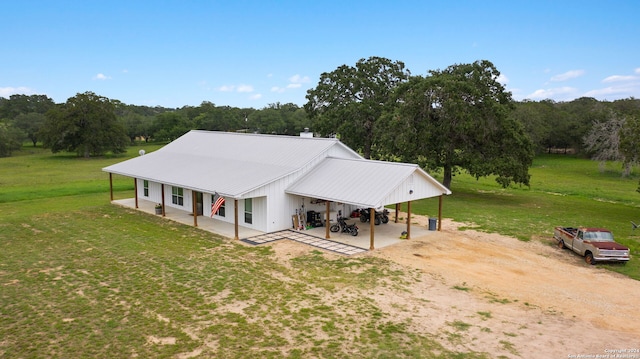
[{"x": 82, "y": 278}]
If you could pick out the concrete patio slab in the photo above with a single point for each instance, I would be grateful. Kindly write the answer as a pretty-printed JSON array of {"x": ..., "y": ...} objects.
[{"x": 344, "y": 243}]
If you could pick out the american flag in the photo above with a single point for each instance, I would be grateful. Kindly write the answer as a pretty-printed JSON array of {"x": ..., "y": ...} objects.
[{"x": 217, "y": 202}]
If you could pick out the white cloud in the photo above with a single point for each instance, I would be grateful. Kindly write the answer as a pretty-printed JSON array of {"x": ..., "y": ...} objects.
[
  {"x": 553, "y": 93},
  {"x": 295, "y": 82},
  {"x": 256, "y": 96},
  {"x": 245, "y": 88},
  {"x": 101, "y": 77},
  {"x": 234, "y": 88},
  {"x": 503, "y": 79},
  {"x": 621, "y": 86},
  {"x": 604, "y": 91},
  {"x": 6, "y": 92},
  {"x": 226, "y": 88},
  {"x": 297, "y": 79},
  {"x": 618, "y": 78},
  {"x": 627, "y": 89},
  {"x": 567, "y": 75}
]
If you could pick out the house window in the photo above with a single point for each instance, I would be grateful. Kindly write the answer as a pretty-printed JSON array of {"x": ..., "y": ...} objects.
[
  {"x": 177, "y": 196},
  {"x": 221, "y": 210},
  {"x": 145, "y": 186},
  {"x": 248, "y": 211}
]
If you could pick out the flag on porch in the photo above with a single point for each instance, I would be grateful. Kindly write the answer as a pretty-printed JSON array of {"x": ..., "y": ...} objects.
[{"x": 217, "y": 202}]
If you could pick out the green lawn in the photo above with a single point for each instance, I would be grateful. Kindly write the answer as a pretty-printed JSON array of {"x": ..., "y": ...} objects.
[{"x": 81, "y": 278}]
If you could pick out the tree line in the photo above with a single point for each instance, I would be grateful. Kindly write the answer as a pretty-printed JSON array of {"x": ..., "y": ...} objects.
[
  {"x": 92, "y": 125},
  {"x": 456, "y": 119}
]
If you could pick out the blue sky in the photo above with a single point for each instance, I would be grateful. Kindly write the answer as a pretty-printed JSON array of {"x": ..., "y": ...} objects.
[{"x": 254, "y": 53}]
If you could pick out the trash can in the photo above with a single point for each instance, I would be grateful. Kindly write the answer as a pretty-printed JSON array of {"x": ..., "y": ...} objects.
[{"x": 432, "y": 224}]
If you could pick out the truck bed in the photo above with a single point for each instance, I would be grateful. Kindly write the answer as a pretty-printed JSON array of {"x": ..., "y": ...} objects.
[{"x": 568, "y": 231}]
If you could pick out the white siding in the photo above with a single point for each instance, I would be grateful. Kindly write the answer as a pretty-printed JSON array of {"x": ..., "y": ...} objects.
[
  {"x": 229, "y": 204},
  {"x": 279, "y": 206},
  {"x": 281, "y": 174},
  {"x": 259, "y": 214},
  {"x": 155, "y": 191},
  {"x": 416, "y": 183}
]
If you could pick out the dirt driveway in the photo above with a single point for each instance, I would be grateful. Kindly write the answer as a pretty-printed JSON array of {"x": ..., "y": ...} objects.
[
  {"x": 550, "y": 303},
  {"x": 513, "y": 299}
]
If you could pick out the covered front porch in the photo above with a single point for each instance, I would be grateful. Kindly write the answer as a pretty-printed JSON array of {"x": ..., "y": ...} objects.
[
  {"x": 213, "y": 225},
  {"x": 385, "y": 234}
]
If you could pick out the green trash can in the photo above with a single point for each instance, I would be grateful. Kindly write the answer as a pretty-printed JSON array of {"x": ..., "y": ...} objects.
[{"x": 432, "y": 224}]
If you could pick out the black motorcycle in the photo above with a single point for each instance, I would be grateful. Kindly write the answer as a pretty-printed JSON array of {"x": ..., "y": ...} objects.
[
  {"x": 380, "y": 217},
  {"x": 344, "y": 227}
]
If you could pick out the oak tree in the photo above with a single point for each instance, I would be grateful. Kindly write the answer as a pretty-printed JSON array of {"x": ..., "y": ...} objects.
[
  {"x": 348, "y": 101},
  {"x": 458, "y": 119},
  {"x": 85, "y": 124}
]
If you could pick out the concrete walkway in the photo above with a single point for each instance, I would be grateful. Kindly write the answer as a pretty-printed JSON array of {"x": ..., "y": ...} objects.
[
  {"x": 306, "y": 238},
  {"x": 344, "y": 243}
]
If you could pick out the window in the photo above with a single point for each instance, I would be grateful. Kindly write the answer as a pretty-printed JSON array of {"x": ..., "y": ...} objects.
[
  {"x": 145, "y": 186},
  {"x": 248, "y": 211},
  {"x": 221, "y": 210},
  {"x": 177, "y": 196}
]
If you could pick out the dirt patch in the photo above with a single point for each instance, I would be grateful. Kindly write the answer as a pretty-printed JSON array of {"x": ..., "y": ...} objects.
[
  {"x": 161, "y": 341},
  {"x": 496, "y": 294}
]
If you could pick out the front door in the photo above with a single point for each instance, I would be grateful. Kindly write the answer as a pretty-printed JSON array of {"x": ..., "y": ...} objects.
[{"x": 199, "y": 203}]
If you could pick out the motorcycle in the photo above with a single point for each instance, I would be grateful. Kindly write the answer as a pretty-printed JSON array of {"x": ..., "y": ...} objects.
[
  {"x": 344, "y": 227},
  {"x": 380, "y": 217}
]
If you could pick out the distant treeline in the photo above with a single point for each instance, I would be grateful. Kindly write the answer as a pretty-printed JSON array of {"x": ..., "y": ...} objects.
[
  {"x": 564, "y": 126},
  {"x": 559, "y": 127}
]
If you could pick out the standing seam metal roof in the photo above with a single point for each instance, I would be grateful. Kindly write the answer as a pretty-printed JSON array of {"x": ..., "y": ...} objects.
[
  {"x": 361, "y": 182},
  {"x": 228, "y": 163}
]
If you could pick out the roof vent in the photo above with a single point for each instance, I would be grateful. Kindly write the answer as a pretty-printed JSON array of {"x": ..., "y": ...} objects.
[{"x": 306, "y": 133}]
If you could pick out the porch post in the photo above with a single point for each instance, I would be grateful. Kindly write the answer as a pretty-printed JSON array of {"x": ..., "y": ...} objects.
[
  {"x": 235, "y": 218},
  {"x": 111, "y": 186},
  {"x": 194, "y": 208},
  {"x": 135, "y": 188},
  {"x": 372, "y": 219},
  {"x": 327, "y": 219},
  {"x": 398, "y": 207},
  {"x": 162, "y": 190},
  {"x": 440, "y": 213},
  {"x": 408, "y": 219}
]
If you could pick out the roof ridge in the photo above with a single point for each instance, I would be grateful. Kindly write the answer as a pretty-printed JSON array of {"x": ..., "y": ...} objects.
[
  {"x": 331, "y": 139},
  {"x": 375, "y": 161}
]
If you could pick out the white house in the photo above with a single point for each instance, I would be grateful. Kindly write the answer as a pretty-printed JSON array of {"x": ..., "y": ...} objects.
[{"x": 267, "y": 179}]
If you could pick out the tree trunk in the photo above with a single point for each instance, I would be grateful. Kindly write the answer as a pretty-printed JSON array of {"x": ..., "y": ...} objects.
[
  {"x": 367, "y": 149},
  {"x": 368, "y": 139},
  {"x": 446, "y": 180}
]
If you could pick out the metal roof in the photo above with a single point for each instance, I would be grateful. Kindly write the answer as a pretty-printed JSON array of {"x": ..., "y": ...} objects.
[
  {"x": 365, "y": 183},
  {"x": 225, "y": 162}
]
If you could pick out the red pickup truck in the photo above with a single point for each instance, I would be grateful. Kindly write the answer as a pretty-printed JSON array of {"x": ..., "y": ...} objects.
[{"x": 594, "y": 244}]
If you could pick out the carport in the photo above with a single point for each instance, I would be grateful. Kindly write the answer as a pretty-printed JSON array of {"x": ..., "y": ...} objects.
[{"x": 369, "y": 184}]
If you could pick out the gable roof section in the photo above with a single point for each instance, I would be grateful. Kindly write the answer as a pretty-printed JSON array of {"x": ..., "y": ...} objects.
[
  {"x": 224, "y": 162},
  {"x": 366, "y": 183}
]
